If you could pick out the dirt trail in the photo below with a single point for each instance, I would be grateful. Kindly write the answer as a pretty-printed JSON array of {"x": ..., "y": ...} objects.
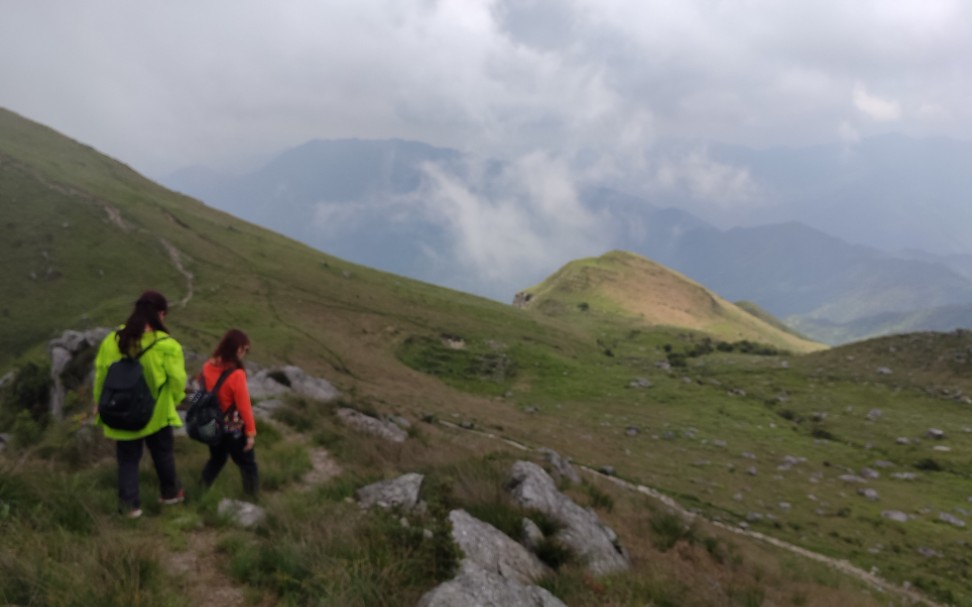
[
  {"x": 176, "y": 256},
  {"x": 838, "y": 564}
]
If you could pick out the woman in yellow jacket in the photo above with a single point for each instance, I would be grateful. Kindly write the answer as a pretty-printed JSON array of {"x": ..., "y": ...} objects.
[{"x": 164, "y": 369}]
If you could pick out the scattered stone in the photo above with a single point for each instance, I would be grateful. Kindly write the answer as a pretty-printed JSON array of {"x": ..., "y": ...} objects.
[
  {"x": 467, "y": 425},
  {"x": 904, "y": 476},
  {"x": 242, "y": 513},
  {"x": 582, "y": 531},
  {"x": 632, "y": 431},
  {"x": 869, "y": 494},
  {"x": 951, "y": 519},
  {"x": 874, "y": 415},
  {"x": 942, "y": 448},
  {"x": 883, "y": 464},
  {"x": 640, "y": 382},
  {"x": 607, "y": 470},
  {"x": 870, "y": 473},
  {"x": 400, "y": 421},
  {"x": 935, "y": 434},
  {"x": 371, "y": 425},
  {"x": 851, "y": 478},
  {"x": 883, "y": 371},
  {"x": 737, "y": 392},
  {"x": 903, "y": 440},
  {"x": 401, "y": 493},
  {"x": 754, "y": 517},
  {"x": 531, "y": 409},
  {"x": 929, "y": 553},
  {"x": 719, "y": 443},
  {"x": 785, "y": 506},
  {"x": 751, "y": 471},
  {"x": 748, "y": 455},
  {"x": 664, "y": 365}
]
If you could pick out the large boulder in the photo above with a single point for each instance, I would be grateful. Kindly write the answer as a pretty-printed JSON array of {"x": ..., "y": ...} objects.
[
  {"x": 493, "y": 550},
  {"x": 63, "y": 350},
  {"x": 582, "y": 531},
  {"x": 561, "y": 466},
  {"x": 400, "y": 493},
  {"x": 477, "y": 587}
]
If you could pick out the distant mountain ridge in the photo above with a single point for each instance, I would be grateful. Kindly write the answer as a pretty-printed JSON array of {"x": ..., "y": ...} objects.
[{"x": 363, "y": 200}]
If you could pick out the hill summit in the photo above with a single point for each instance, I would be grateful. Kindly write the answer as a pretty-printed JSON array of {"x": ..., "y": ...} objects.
[{"x": 624, "y": 284}]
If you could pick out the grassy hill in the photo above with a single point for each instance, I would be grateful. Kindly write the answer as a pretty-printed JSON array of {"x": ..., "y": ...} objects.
[
  {"x": 752, "y": 441},
  {"x": 625, "y": 285}
]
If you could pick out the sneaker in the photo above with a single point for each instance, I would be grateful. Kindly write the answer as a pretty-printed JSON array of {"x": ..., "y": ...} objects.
[
  {"x": 172, "y": 501},
  {"x": 136, "y": 513}
]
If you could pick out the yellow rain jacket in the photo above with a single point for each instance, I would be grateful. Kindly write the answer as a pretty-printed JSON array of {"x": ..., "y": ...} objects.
[{"x": 165, "y": 373}]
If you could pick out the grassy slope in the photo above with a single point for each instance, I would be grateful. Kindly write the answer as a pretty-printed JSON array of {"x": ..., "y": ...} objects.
[
  {"x": 628, "y": 285},
  {"x": 527, "y": 375}
]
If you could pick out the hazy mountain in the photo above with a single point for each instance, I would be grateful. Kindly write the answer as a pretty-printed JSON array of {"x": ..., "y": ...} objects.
[{"x": 383, "y": 204}]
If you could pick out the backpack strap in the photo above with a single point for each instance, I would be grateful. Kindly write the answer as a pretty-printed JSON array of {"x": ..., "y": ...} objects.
[
  {"x": 219, "y": 384},
  {"x": 149, "y": 347}
]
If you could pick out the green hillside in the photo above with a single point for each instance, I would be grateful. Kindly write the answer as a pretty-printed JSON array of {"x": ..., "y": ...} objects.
[
  {"x": 752, "y": 439},
  {"x": 622, "y": 285}
]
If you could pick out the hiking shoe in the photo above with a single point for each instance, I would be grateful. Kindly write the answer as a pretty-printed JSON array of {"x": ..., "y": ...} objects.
[
  {"x": 172, "y": 501},
  {"x": 136, "y": 513}
]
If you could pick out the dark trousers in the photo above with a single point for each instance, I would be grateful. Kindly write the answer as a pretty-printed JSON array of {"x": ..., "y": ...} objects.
[
  {"x": 129, "y": 454},
  {"x": 232, "y": 446}
]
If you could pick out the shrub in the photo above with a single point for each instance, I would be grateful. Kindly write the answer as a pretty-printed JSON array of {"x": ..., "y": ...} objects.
[
  {"x": 668, "y": 529},
  {"x": 29, "y": 391}
]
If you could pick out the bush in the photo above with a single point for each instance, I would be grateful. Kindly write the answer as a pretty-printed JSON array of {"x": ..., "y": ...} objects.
[{"x": 29, "y": 391}]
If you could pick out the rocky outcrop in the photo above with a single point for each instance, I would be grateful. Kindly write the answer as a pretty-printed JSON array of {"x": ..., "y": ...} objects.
[
  {"x": 401, "y": 493},
  {"x": 561, "y": 467},
  {"x": 64, "y": 350},
  {"x": 493, "y": 550},
  {"x": 387, "y": 430},
  {"x": 477, "y": 587},
  {"x": 582, "y": 532}
]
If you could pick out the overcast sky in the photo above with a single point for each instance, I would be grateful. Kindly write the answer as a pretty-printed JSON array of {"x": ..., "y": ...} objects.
[{"x": 214, "y": 82}]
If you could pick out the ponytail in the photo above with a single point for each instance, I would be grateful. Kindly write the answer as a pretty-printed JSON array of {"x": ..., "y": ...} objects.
[{"x": 147, "y": 310}]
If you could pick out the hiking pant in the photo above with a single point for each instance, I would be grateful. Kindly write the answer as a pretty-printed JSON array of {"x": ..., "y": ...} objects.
[
  {"x": 129, "y": 454},
  {"x": 232, "y": 446}
]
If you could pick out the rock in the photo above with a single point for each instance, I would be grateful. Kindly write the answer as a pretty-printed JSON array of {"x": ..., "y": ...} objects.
[
  {"x": 851, "y": 478},
  {"x": 632, "y": 431},
  {"x": 903, "y": 440},
  {"x": 870, "y": 494},
  {"x": 951, "y": 519},
  {"x": 640, "y": 382},
  {"x": 607, "y": 470},
  {"x": 401, "y": 493},
  {"x": 874, "y": 415},
  {"x": 63, "y": 351},
  {"x": 883, "y": 371},
  {"x": 935, "y": 434},
  {"x": 242, "y": 513},
  {"x": 870, "y": 473},
  {"x": 278, "y": 381},
  {"x": 928, "y": 552},
  {"x": 752, "y": 471},
  {"x": 582, "y": 532},
  {"x": 371, "y": 425},
  {"x": 904, "y": 476},
  {"x": 476, "y": 587},
  {"x": 562, "y": 469},
  {"x": 883, "y": 464},
  {"x": 532, "y": 535},
  {"x": 492, "y": 550},
  {"x": 895, "y": 515},
  {"x": 942, "y": 448},
  {"x": 266, "y": 408},
  {"x": 400, "y": 421}
]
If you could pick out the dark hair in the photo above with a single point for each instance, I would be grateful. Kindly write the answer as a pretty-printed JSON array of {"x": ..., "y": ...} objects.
[
  {"x": 146, "y": 312},
  {"x": 229, "y": 346}
]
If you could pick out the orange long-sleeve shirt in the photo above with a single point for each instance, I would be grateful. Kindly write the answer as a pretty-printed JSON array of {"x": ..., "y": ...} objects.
[{"x": 233, "y": 391}]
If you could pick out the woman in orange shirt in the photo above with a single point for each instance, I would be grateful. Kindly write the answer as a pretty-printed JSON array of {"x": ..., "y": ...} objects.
[{"x": 234, "y": 400}]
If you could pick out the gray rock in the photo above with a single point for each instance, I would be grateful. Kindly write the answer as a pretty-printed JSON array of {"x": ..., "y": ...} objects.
[
  {"x": 401, "y": 493},
  {"x": 492, "y": 550},
  {"x": 883, "y": 371},
  {"x": 874, "y": 415},
  {"x": 632, "y": 431},
  {"x": 371, "y": 425},
  {"x": 935, "y": 434},
  {"x": 532, "y": 535},
  {"x": 607, "y": 470},
  {"x": 883, "y": 464},
  {"x": 242, "y": 513},
  {"x": 870, "y": 494},
  {"x": 903, "y": 440},
  {"x": 263, "y": 384},
  {"x": 929, "y": 553},
  {"x": 870, "y": 473},
  {"x": 851, "y": 478},
  {"x": 562, "y": 469},
  {"x": 895, "y": 515},
  {"x": 582, "y": 532},
  {"x": 641, "y": 382},
  {"x": 951, "y": 519},
  {"x": 477, "y": 587},
  {"x": 266, "y": 408},
  {"x": 904, "y": 476}
]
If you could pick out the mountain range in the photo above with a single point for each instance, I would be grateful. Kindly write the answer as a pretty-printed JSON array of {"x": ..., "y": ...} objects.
[{"x": 384, "y": 204}]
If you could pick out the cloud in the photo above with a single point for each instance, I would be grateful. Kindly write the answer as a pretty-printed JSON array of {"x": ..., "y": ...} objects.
[
  {"x": 713, "y": 183},
  {"x": 512, "y": 232},
  {"x": 874, "y": 107}
]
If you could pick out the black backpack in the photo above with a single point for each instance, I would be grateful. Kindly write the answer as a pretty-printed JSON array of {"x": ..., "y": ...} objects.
[
  {"x": 126, "y": 402},
  {"x": 204, "y": 419}
]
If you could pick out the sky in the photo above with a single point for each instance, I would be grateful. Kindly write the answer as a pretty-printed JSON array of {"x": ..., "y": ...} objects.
[
  {"x": 565, "y": 91},
  {"x": 220, "y": 82}
]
